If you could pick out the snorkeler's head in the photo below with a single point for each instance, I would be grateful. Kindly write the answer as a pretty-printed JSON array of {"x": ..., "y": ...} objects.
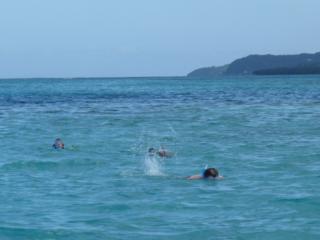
[
  {"x": 210, "y": 172},
  {"x": 151, "y": 150},
  {"x": 58, "y": 143}
]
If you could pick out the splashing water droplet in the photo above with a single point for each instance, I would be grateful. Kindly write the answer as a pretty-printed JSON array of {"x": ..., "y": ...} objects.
[{"x": 152, "y": 166}]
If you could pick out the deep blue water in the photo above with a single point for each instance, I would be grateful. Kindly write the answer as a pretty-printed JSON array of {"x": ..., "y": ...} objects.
[{"x": 262, "y": 133}]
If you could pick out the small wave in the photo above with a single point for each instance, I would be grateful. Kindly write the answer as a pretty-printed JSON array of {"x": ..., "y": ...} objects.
[
  {"x": 49, "y": 165},
  {"x": 297, "y": 199},
  {"x": 41, "y": 165}
]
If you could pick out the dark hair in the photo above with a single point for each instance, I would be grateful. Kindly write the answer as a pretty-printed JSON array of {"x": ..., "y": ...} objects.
[
  {"x": 151, "y": 150},
  {"x": 211, "y": 172}
]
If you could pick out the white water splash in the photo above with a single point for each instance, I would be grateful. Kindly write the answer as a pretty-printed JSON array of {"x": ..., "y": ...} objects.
[{"x": 153, "y": 166}]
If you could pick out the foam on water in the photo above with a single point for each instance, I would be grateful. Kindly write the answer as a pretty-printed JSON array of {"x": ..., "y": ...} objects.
[{"x": 153, "y": 166}]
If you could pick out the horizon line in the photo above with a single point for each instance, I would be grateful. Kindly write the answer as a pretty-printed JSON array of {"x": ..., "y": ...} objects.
[{"x": 75, "y": 78}]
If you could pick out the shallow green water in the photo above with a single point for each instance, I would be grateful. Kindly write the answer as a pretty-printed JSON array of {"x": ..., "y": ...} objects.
[{"x": 263, "y": 134}]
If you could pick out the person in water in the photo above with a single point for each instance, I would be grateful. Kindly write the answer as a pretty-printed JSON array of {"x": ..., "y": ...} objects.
[
  {"x": 152, "y": 151},
  {"x": 161, "y": 152},
  {"x": 208, "y": 173},
  {"x": 58, "y": 144}
]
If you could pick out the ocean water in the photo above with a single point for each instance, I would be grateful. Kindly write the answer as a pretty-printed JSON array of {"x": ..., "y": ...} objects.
[{"x": 262, "y": 133}]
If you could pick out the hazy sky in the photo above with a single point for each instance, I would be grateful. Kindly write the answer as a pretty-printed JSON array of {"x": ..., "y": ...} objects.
[{"x": 71, "y": 38}]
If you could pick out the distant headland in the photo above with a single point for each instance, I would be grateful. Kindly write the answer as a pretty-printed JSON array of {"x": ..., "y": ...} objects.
[{"x": 265, "y": 65}]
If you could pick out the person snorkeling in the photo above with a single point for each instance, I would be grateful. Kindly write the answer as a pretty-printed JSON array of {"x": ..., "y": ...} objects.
[
  {"x": 58, "y": 144},
  {"x": 160, "y": 152},
  {"x": 208, "y": 173}
]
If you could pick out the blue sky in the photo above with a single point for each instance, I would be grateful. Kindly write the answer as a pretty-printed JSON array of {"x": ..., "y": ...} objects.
[{"x": 79, "y": 38}]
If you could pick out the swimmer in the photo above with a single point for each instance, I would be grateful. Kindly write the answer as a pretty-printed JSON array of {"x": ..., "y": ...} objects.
[
  {"x": 208, "y": 173},
  {"x": 58, "y": 144},
  {"x": 161, "y": 152},
  {"x": 164, "y": 153}
]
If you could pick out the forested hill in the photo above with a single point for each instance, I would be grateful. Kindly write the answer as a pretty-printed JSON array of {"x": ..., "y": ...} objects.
[{"x": 265, "y": 64}]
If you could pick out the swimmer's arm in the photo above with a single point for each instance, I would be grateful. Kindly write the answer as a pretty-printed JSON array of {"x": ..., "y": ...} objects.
[
  {"x": 164, "y": 153},
  {"x": 194, "y": 177}
]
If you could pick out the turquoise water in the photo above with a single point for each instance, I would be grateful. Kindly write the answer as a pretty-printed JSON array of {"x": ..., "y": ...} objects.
[{"x": 263, "y": 134}]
